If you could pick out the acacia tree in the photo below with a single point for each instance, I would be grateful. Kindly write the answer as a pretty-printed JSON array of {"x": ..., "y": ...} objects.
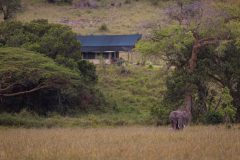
[
  {"x": 190, "y": 18},
  {"x": 27, "y": 76},
  {"x": 199, "y": 32},
  {"x": 29, "y": 80},
  {"x": 9, "y": 8}
]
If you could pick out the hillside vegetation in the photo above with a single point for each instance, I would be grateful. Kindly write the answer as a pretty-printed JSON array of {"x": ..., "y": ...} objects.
[
  {"x": 36, "y": 83},
  {"x": 133, "y": 90},
  {"x": 130, "y": 94},
  {"x": 134, "y": 17}
]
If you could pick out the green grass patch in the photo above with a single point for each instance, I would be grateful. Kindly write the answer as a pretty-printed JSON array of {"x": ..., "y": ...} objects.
[
  {"x": 87, "y": 120},
  {"x": 134, "y": 93},
  {"x": 131, "y": 97}
]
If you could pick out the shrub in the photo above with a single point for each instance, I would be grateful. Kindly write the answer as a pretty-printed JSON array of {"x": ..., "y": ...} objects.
[
  {"x": 161, "y": 114},
  {"x": 127, "y": 1},
  {"x": 103, "y": 28},
  {"x": 154, "y": 2},
  {"x": 32, "y": 81},
  {"x": 225, "y": 112},
  {"x": 214, "y": 117},
  {"x": 88, "y": 70},
  {"x": 40, "y": 36},
  {"x": 67, "y": 62}
]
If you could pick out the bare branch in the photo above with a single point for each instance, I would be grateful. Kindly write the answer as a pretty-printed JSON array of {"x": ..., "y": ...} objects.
[
  {"x": 216, "y": 79},
  {"x": 8, "y": 87},
  {"x": 218, "y": 104},
  {"x": 25, "y": 92},
  {"x": 207, "y": 39}
]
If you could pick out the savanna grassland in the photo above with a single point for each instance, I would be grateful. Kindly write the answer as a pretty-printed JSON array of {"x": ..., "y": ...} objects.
[
  {"x": 132, "y": 94},
  {"x": 136, "y": 17},
  {"x": 122, "y": 129},
  {"x": 129, "y": 143}
]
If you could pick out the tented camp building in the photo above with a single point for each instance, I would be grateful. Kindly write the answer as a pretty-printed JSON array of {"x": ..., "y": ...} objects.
[{"x": 106, "y": 47}]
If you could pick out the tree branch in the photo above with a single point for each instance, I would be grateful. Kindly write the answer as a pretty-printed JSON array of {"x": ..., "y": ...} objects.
[
  {"x": 207, "y": 39},
  {"x": 218, "y": 104},
  {"x": 8, "y": 87},
  {"x": 216, "y": 78},
  {"x": 25, "y": 92}
]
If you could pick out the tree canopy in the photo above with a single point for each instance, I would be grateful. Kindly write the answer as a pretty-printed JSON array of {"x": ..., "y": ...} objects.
[
  {"x": 42, "y": 37},
  {"x": 33, "y": 81},
  {"x": 201, "y": 46}
]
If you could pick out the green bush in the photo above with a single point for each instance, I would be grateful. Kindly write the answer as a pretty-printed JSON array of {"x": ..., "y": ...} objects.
[
  {"x": 35, "y": 82},
  {"x": 154, "y": 2},
  {"x": 103, "y": 28},
  {"x": 161, "y": 114},
  {"x": 88, "y": 70},
  {"x": 40, "y": 36},
  {"x": 225, "y": 112},
  {"x": 214, "y": 117},
  {"x": 127, "y": 1},
  {"x": 67, "y": 62}
]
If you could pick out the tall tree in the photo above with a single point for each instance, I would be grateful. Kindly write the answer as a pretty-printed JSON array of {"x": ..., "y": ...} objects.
[
  {"x": 198, "y": 31},
  {"x": 35, "y": 82},
  {"x": 190, "y": 17},
  {"x": 9, "y": 8}
]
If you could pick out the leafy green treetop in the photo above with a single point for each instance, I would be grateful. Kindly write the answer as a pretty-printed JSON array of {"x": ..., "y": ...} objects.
[{"x": 191, "y": 44}]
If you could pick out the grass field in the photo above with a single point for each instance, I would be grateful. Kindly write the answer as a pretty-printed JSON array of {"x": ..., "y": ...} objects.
[
  {"x": 131, "y": 97},
  {"x": 135, "y": 92},
  {"x": 123, "y": 143},
  {"x": 136, "y": 17}
]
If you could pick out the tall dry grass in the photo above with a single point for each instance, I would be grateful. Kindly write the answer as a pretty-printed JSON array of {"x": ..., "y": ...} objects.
[
  {"x": 137, "y": 17},
  {"x": 130, "y": 143}
]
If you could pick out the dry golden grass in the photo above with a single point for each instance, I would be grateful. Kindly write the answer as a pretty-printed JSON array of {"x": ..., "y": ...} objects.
[
  {"x": 125, "y": 143},
  {"x": 137, "y": 17}
]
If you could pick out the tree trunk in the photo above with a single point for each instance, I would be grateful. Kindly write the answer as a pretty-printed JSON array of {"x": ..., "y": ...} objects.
[
  {"x": 192, "y": 63},
  {"x": 193, "y": 60},
  {"x": 202, "y": 99},
  {"x": 6, "y": 14},
  {"x": 191, "y": 66},
  {"x": 236, "y": 103},
  {"x": 188, "y": 102}
]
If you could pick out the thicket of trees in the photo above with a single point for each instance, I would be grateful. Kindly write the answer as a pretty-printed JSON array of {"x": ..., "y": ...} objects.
[
  {"x": 50, "y": 39},
  {"x": 52, "y": 78},
  {"x": 202, "y": 50}
]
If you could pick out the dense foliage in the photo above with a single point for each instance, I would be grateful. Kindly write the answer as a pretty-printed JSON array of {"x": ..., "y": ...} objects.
[
  {"x": 202, "y": 51},
  {"x": 34, "y": 82},
  {"x": 40, "y": 36},
  {"x": 64, "y": 84}
]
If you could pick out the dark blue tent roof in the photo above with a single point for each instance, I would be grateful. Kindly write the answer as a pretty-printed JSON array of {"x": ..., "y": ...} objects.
[{"x": 101, "y": 43}]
